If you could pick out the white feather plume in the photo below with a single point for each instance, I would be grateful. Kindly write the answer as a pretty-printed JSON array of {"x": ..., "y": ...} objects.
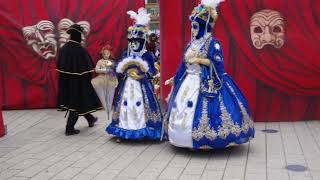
[
  {"x": 211, "y": 3},
  {"x": 142, "y": 17}
]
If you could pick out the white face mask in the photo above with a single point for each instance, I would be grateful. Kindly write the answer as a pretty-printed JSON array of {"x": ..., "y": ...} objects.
[
  {"x": 195, "y": 29},
  {"x": 41, "y": 38},
  {"x": 135, "y": 45}
]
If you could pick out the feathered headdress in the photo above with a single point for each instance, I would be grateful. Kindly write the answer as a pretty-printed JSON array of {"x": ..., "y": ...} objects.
[
  {"x": 140, "y": 29},
  {"x": 206, "y": 12},
  {"x": 211, "y": 3},
  {"x": 140, "y": 18}
]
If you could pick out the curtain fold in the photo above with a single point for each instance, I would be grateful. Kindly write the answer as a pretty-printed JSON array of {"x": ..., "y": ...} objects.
[
  {"x": 2, "y": 130},
  {"x": 29, "y": 79},
  {"x": 280, "y": 84}
]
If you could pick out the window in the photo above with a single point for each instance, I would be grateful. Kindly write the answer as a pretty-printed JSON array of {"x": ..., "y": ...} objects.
[{"x": 152, "y": 1}]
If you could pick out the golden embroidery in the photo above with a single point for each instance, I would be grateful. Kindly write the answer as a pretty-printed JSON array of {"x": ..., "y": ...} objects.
[
  {"x": 205, "y": 147},
  {"x": 227, "y": 123},
  {"x": 64, "y": 108},
  {"x": 232, "y": 144},
  {"x": 126, "y": 116},
  {"x": 211, "y": 86},
  {"x": 173, "y": 119},
  {"x": 135, "y": 115},
  {"x": 247, "y": 122},
  {"x": 183, "y": 121},
  {"x": 70, "y": 73},
  {"x": 153, "y": 116},
  {"x": 184, "y": 94},
  {"x": 204, "y": 129},
  {"x": 131, "y": 91},
  {"x": 116, "y": 113}
]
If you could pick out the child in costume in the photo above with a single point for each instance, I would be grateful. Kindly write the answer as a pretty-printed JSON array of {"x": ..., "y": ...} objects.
[{"x": 106, "y": 81}]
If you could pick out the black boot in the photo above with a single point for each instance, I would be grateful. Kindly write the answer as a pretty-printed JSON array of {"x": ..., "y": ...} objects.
[
  {"x": 72, "y": 120},
  {"x": 91, "y": 120},
  {"x": 72, "y": 132}
]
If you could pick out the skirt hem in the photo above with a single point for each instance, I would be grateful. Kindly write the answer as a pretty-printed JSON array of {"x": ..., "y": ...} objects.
[{"x": 134, "y": 134}]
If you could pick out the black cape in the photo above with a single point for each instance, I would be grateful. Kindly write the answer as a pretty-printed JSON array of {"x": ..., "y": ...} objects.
[{"x": 76, "y": 92}]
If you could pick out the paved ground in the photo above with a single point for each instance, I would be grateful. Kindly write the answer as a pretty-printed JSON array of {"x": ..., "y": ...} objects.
[{"x": 36, "y": 148}]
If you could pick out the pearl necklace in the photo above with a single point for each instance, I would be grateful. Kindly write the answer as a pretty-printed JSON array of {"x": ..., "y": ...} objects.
[{"x": 196, "y": 44}]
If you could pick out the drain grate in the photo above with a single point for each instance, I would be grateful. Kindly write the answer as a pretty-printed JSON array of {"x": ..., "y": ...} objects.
[
  {"x": 270, "y": 131},
  {"x": 296, "y": 168}
]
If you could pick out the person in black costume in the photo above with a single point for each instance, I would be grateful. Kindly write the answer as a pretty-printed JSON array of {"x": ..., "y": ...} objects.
[{"x": 76, "y": 94}]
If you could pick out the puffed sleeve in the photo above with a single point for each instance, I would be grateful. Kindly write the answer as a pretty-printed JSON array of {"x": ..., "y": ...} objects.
[
  {"x": 149, "y": 57},
  {"x": 215, "y": 54}
]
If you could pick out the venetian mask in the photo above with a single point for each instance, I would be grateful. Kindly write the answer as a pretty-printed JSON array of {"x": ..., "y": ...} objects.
[
  {"x": 267, "y": 27},
  {"x": 137, "y": 45},
  {"x": 64, "y": 25},
  {"x": 195, "y": 29},
  {"x": 41, "y": 38}
]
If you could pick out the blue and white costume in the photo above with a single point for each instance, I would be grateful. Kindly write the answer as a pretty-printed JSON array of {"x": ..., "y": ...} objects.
[
  {"x": 137, "y": 113},
  {"x": 206, "y": 109}
]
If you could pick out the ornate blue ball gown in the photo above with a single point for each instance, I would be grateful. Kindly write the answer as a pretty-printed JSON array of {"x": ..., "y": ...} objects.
[
  {"x": 137, "y": 112},
  {"x": 206, "y": 109}
]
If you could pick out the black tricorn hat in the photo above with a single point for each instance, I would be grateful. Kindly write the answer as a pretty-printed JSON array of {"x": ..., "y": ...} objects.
[{"x": 75, "y": 27}]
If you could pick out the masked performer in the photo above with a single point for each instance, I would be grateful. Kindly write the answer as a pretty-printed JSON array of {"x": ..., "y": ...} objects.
[
  {"x": 106, "y": 81},
  {"x": 76, "y": 94},
  {"x": 206, "y": 109},
  {"x": 137, "y": 113},
  {"x": 154, "y": 45}
]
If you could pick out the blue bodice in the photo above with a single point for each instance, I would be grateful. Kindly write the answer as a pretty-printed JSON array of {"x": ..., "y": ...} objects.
[{"x": 214, "y": 53}]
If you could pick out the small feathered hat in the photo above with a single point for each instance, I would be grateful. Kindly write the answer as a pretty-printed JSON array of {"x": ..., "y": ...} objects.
[
  {"x": 206, "y": 12},
  {"x": 140, "y": 29}
]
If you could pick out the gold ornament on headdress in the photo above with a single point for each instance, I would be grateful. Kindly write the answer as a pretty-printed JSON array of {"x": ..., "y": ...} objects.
[
  {"x": 141, "y": 19},
  {"x": 205, "y": 13},
  {"x": 144, "y": 29},
  {"x": 206, "y": 10}
]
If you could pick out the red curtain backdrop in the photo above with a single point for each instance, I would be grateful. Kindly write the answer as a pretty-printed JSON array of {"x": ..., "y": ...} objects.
[
  {"x": 2, "y": 130},
  {"x": 30, "y": 81},
  {"x": 280, "y": 84}
]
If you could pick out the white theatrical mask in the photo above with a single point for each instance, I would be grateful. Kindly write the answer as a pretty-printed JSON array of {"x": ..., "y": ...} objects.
[
  {"x": 267, "y": 27},
  {"x": 64, "y": 25},
  {"x": 41, "y": 38}
]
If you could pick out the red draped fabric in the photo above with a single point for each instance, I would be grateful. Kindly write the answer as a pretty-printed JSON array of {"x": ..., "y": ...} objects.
[
  {"x": 30, "y": 81},
  {"x": 280, "y": 84},
  {"x": 2, "y": 130}
]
